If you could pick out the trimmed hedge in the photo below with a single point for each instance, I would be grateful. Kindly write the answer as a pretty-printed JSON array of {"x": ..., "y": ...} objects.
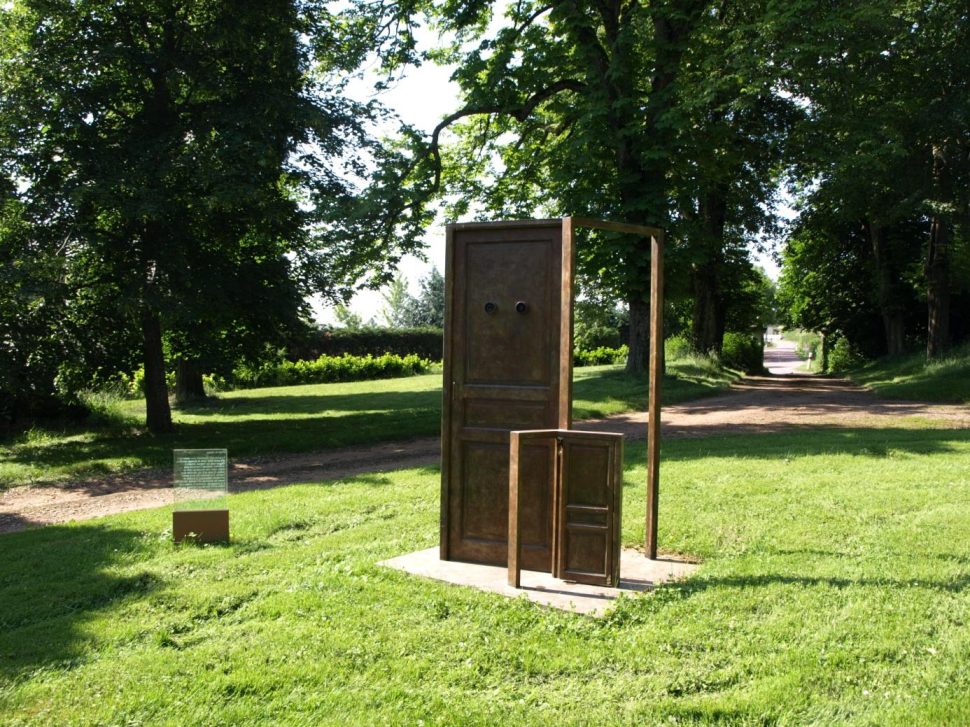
[
  {"x": 331, "y": 369},
  {"x": 426, "y": 343}
]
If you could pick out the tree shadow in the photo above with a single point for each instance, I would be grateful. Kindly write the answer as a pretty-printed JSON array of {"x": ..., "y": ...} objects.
[
  {"x": 787, "y": 442},
  {"x": 55, "y": 579}
]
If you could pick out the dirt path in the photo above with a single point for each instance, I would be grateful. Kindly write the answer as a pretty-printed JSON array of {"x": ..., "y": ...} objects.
[{"x": 758, "y": 404}]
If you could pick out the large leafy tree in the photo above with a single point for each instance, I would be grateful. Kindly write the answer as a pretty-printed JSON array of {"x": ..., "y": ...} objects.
[
  {"x": 172, "y": 158},
  {"x": 885, "y": 146},
  {"x": 653, "y": 113},
  {"x": 567, "y": 107}
]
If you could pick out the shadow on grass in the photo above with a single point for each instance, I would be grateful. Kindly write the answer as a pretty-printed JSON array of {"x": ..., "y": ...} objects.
[
  {"x": 314, "y": 404},
  {"x": 242, "y": 438},
  {"x": 786, "y": 442},
  {"x": 52, "y": 581}
]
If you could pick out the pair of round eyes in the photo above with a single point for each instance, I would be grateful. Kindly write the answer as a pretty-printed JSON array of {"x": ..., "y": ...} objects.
[{"x": 520, "y": 307}]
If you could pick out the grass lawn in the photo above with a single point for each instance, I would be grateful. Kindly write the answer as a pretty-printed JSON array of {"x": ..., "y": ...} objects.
[
  {"x": 912, "y": 377},
  {"x": 303, "y": 419},
  {"x": 835, "y": 590}
]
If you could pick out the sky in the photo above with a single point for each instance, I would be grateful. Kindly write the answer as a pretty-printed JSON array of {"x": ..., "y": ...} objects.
[{"x": 422, "y": 98}]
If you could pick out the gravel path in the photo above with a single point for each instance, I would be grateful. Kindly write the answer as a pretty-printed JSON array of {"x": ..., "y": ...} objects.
[{"x": 758, "y": 404}]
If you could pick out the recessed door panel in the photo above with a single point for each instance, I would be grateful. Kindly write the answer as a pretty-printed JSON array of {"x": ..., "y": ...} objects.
[
  {"x": 590, "y": 498},
  {"x": 508, "y": 313},
  {"x": 504, "y": 370}
]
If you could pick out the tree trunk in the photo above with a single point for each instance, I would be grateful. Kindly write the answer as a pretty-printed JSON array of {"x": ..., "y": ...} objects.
[
  {"x": 892, "y": 317},
  {"x": 188, "y": 382},
  {"x": 638, "y": 359},
  {"x": 159, "y": 414},
  {"x": 823, "y": 359},
  {"x": 937, "y": 270},
  {"x": 703, "y": 322},
  {"x": 708, "y": 317}
]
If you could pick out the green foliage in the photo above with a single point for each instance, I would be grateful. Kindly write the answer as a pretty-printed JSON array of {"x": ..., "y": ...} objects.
[
  {"x": 428, "y": 309},
  {"x": 600, "y": 356},
  {"x": 346, "y": 318},
  {"x": 172, "y": 164},
  {"x": 397, "y": 301},
  {"x": 587, "y": 337},
  {"x": 843, "y": 357},
  {"x": 330, "y": 369},
  {"x": 403, "y": 310},
  {"x": 877, "y": 166},
  {"x": 424, "y": 342},
  {"x": 743, "y": 352},
  {"x": 676, "y": 347}
]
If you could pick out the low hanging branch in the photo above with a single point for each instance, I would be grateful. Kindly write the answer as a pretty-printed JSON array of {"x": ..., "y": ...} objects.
[{"x": 519, "y": 113}]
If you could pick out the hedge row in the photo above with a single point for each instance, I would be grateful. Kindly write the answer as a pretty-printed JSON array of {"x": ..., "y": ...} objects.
[
  {"x": 425, "y": 343},
  {"x": 600, "y": 356},
  {"x": 331, "y": 369}
]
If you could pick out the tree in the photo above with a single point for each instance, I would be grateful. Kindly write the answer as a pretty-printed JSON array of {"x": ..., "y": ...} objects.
[
  {"x": 428, "y": 309},
  {"x": 346, "y": 318},
  {"x": 398, "y": 303},
  {"x": 589, "y": 94},
  {"x": 886, "y": 142},
  {"x": 584, "y": 108},
  {"x": 165, "y": 147}
]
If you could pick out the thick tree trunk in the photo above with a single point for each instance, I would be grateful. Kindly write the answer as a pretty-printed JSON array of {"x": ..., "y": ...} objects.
[
  {"x": 892, "y": 317},
  {"x": 159, "y": 414},
  {"x": 703, "y": 322},
  {"x": 708, "y": 316},
  {"x": 937, "y": 270},
  {"x": 639, "y": 356},
  {"x": 188, "y": 382}
]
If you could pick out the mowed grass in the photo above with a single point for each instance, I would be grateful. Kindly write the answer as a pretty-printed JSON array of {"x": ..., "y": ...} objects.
[
  {"x": 946, "y": 379},
  {"x": 303, "y": 419},
  {"x": 835, "y": 590}
]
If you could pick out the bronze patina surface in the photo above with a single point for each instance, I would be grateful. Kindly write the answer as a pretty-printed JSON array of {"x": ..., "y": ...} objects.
[
  {"x": 201, "y": 526},
  {"x": 587, "y": 497}
]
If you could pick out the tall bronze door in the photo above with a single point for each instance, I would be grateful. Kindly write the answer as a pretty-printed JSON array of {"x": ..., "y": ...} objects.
[{"x": 507, "y": 366}]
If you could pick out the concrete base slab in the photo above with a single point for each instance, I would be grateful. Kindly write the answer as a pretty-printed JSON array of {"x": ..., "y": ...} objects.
[{"x": 637, "y": 573}]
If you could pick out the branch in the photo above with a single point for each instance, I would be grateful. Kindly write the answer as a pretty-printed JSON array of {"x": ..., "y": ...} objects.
[{"x": 519, "y": 113}]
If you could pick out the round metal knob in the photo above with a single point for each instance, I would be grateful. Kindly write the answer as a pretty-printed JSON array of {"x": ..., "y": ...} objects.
[
  {"x": 489, "y": 307},
  {"x": 521, "y": 307}
]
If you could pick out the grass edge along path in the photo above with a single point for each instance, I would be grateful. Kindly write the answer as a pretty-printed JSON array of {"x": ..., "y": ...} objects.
[
  {"x": 835, "y": 590},
  {"x": 914, "y": 378},
  {"x": 309, "y": 418}
]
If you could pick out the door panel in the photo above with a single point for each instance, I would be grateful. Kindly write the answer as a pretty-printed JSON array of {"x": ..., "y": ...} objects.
[
  {"x": 503, "y": 371},
  {"x": 589, "y": 508}
]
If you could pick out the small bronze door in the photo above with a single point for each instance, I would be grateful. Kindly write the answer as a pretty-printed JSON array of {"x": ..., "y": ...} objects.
[
  {"x": 589, "y": 501},
  {"x": 508, "y": 288}
]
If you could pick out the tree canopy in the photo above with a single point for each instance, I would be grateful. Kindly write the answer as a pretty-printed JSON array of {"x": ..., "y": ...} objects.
[{"x": 173, "y": 165}]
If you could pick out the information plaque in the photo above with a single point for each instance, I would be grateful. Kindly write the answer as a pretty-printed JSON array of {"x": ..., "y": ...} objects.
[{"x": 201, "y": 495}]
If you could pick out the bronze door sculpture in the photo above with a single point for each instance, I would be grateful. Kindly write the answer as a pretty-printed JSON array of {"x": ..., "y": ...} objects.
[
  {"x": 508, "y": 365},
  {"x": 587, "y": 494},
  {"x": 508, "y": 353}
]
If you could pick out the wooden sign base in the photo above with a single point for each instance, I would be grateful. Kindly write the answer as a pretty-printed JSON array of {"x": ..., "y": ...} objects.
[{"x": 201, "y": 526}]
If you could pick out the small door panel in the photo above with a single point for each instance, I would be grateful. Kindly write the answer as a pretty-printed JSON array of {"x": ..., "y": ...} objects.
[{"x": 590, "y": 496}]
